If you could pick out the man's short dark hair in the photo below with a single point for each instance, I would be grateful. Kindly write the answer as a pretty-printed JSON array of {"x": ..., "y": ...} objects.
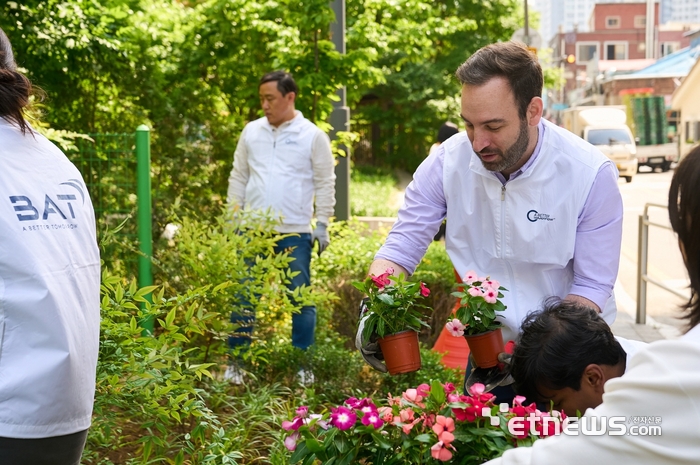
[
  {"x": 509, "y": 60},
  {"x": 557, "y": 343},
  {"x": 285, "y": 82}
]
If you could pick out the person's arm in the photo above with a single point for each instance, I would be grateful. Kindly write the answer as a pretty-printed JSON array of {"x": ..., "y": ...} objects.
[
  {"x": 418, "y": 220},
  {"x": 324, "y": 176},
  {"x": 380, "y": 266},
  {"x": 238, "y": 178},
  {"x": 598, "y": 242}
]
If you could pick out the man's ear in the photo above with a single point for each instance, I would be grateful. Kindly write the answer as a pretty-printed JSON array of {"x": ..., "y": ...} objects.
[
  {"x": 593, "y": 377},
  {"x": 534, "y": 111},
  {"x": 291, "y": 96}
]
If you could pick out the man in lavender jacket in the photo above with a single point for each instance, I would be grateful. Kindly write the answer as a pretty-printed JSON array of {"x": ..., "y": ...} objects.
[{"x": 529, "y": 204}]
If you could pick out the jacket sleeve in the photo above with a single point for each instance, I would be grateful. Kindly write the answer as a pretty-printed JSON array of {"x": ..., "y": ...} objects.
[
  {"x": 238, "y": 179},
  {"x": 324, "y": 176},
  {"x": 599, "y": 239}
]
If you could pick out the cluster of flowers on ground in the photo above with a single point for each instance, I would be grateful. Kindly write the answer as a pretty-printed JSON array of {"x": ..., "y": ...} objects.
[
  {"x": 479, "y": 300},
  {"x": 428, "y": 423}
]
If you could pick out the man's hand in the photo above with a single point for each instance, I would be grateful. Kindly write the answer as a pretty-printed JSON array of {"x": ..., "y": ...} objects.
[
  {"x": 321, "y": 236},
  {"x": 369, "y": 349}
]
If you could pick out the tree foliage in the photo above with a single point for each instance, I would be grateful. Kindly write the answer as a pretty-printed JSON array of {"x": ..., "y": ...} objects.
[{"x": 189, "y": 70}]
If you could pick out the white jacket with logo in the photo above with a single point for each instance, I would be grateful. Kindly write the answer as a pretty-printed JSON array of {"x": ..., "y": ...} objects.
[
  {"x": 283, "y": 169},
  {"x": 528, "y": 227},
  {"x": 49, "y": 290}
]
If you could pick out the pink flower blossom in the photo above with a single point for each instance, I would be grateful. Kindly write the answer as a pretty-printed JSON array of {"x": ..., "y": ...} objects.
[
  {"x": 303, "y": 411},
  {"x": 455, "y": 327},
  {"x": 386, "y": 414},
  {"x": 423, "y": 390},
  {"x": 490, "y": 296},
  {"x": 290, "y": 442},
  {"x": 343, "y": 418},
  {"x": 406, "y": 415},
  {"x": 412, "y": 395},
  {"x": 449, "y": 388},
  {"x": 477, "y": 392},
  {"x": 470, "y": 277},
  {"x": 295, "y": 424},
  {"x": 491, "y": 284},
  {"x": 443, "y": 428},
  {"x": 382, "y": 280},
  {"x": 424, "y": 291},
  {"x": 389, "y": 270},
  {"x": 364, "y": 404},
  {"x": 440, "y": 451},
  {"x": 475, "y": 292},
  {"x": 372, "y": 418}
]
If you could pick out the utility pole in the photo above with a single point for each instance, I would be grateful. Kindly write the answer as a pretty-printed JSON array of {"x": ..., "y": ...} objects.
[
  {"x": 526, "y": 37},
  {"x": 340, "y": 120},
  {"x": 649, "y": 37}
]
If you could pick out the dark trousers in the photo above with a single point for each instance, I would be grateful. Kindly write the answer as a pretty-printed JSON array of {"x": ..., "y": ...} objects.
[
  {"x": 304, "y": 322},
  {"x": 57, "y": 450}
]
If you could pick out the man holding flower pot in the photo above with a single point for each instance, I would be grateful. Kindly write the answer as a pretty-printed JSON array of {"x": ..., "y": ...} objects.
[{"x": 527, "y": 201}]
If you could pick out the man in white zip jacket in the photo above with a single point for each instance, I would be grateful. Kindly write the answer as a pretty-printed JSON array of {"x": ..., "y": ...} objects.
[
  {"x": 529, "y": 204},
  {"x": 49, "y": 289},
  {"x": 284, "y": 163}
]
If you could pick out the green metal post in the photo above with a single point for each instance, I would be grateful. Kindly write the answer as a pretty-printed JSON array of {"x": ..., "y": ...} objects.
[{"x": 143, "y": 192}]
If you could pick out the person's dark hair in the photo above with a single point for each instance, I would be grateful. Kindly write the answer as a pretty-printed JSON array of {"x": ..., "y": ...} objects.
[
  {"x": 509, "y": 60},
  {"x": 446, "y": 131},
  {"x": 684, "y": 213},
  {"x": 557, "y": 343},
  {"x": 285, "y": 82},
  {"x": 15, "y": 88}
]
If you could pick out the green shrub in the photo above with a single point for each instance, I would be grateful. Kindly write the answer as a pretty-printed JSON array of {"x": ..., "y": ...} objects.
[{"x": 374, "y": 192}]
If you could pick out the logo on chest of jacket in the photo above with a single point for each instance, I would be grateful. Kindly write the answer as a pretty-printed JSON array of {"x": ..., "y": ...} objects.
[{"x": 533, "y": 216}]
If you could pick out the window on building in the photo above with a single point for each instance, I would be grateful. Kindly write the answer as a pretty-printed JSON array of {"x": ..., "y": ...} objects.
[
  {"x": 668, "y": 48},
  {"x": 640, "y": 22},
  {"x": 585, "y": 51},
  {"x": 612, "y": 22},
  {"x": 616, "y": 50}
]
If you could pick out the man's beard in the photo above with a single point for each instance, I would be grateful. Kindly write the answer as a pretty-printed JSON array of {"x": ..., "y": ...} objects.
[{"x": 513, "y": 154}]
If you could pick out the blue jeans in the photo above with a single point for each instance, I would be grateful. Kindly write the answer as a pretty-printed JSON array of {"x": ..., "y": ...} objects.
[{"x": 303, "y": 323}]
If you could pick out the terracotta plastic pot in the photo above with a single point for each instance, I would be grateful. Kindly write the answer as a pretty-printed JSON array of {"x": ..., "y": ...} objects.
[
  {"x": 401, "y": 353},
  {"x": 485, "y": 347}
]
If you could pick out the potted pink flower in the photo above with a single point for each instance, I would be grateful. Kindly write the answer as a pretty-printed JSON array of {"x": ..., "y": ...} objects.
[
  {"x": 476, "y": 318},
  {"x": 395, "y": 315}
]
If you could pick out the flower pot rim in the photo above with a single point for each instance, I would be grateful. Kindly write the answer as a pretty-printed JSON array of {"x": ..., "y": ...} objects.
[
  {"x": 500, "y": 326},
  {"x": 400, "y": 332}
]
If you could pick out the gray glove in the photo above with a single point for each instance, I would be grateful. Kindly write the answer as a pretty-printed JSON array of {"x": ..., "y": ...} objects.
[
  {"x": 370, "y": 351},
  {"x": 490, "y": 377},
  {"x": 321, "y": 236}
]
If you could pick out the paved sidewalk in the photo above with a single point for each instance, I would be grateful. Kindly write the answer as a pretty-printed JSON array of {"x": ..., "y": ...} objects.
[{"x": 625, "y": 326}]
